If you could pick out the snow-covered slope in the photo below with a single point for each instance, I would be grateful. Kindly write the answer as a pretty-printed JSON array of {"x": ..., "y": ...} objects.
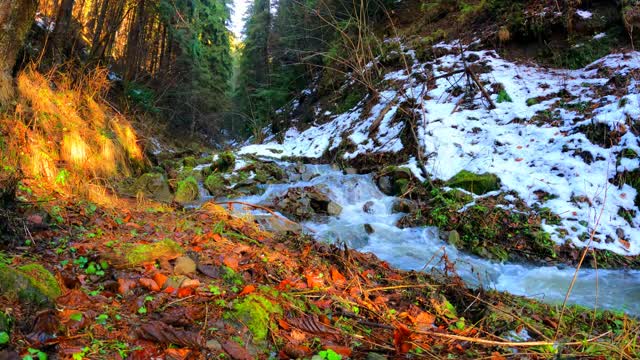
[{"x": 535, "y": 143}]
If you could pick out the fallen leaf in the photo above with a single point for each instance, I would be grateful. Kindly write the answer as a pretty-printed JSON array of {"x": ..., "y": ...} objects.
[
  {"x": 313, "y": 280},
  {"x": 247, "y": 290},
  {"x": 283, "y": 324},
  {"x": 341, "y": 350},
  {"x": 190, "y": 283},
  {"x": 424, "y": 321},
  {"x": 232, "y": 262},
  {"x": 149, "y": 284},
  {"x": 519, "y": 159},
  {"x": 124, "y": 285},
  {"x": 160, "y": 279},
  {"x": 177, "y": 354},
  {"x": 401, "y": 336},
  {"x": 185, "y": 291},
  {"x": 236, "y": 351},
  {"x": 337, "y": 278},
  {"x": 162, "y": 333},
  {"x": 625, "y": 243},
  {"x": 298, "y": 337}
]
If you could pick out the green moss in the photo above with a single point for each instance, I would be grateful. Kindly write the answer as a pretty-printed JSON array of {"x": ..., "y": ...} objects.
[
  {"x": 215, "y": 184},
  {"x": 226, "y": 162},
  {"x": 266, "y": 173},
  {"x": 187, "y": 190},
  {"x": 401, "y": 186},
  {"x": 255, "y": 312},
  {"x": 154, "y": 186},
  {"x": 476, "y": 183},
  {"x": 140, "y": 254},
  {"x": 42, "y": 279},
  {"x": 5, "y": 323},
  {"x": 31, "y": 284},
  {"x": 190, "y": 161}
]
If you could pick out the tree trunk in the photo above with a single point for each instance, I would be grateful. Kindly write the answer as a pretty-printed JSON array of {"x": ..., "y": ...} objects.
[{"x": 16, "y": 17}]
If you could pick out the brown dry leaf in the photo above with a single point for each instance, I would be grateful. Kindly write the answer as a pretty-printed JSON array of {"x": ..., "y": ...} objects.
[
  {"x": 232, "y": 262},
  {"x": 625, "y": 243},
  {"x": 177, "y": 354},
  {"x": 209, "y": 270},
  {"x": 496, "y": 356},
  {"x": 341, "y": 350},
  {"x": 313, "y": 280},
  {"x": 337, "y": 278},
  {"x": 295, "y": 351},
  {"x": 312, "y": 325},
  {"x": 298, "y": 337},
  {"x": 162, "y": 333},
  {"x": 74, "y": 299},
  {"x": 124, "y": 285},
  {"x": 236, "y": 351},
  {"x": 424, "y": 321},
  {"x": 149, "y": 284}
]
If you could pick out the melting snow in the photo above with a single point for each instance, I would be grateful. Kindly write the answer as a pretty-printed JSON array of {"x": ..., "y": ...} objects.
[{"x": 552, "y": 156}]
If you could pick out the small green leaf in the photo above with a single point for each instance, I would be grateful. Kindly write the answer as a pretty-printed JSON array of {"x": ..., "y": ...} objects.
[
  {"x": 76, "y": 316},
  {"x": 4, "y": 338}
]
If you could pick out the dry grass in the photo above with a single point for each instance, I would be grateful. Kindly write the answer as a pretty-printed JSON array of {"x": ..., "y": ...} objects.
[{"x": 67, "y": 137}]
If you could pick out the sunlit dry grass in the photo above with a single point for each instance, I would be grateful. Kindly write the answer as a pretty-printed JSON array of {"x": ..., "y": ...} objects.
[{"x": 69, "y": 137}]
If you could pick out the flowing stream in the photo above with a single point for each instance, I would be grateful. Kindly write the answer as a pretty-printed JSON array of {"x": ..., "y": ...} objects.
[{"x": 422, "y": 248}]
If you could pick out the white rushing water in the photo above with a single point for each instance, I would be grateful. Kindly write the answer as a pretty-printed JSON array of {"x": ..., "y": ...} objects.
[{"x": 422, "y": 248}]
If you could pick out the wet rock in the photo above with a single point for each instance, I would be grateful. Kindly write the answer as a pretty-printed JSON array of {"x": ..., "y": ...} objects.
[
  {"x": 369, "y": 229},
  {"x": 620, "y": 233},
  {"x": 214, "y": 345},
  {"x": 184, "y": 266},
  {"x": 368, "y": 207},
  {"x": 153, "y": 186},
  {"x": 305, "y": 203},
  {"x": 187, "y": 190},
  {"x": 385, "y": 185},
  {"x": 394, "y": 180},
  {"x": 404, "y": 206},
  {"x": 333, "y": 209},
  {"x": 350, "y": 171},
  {"x": 454, "y": 239},
  {"x": 478, "y": 184},
  {"x": 215, "y": 184}
]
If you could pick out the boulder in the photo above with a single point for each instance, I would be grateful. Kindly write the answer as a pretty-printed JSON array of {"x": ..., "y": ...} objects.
[
  {"x": 225, "y": 162},
  {"x": 304, "y": 203},
  {"x": 385, "y": 184},
  {"x": 31, "y": 284},
  {"x": 404, "y": 206},
  {"x": 153, "y": 186},
  {"x": 187, "y": 190},
  {"x": 215, "y": 184},
  {"x": 478, "y": 184},
  {"x": 394, "y": 180}
]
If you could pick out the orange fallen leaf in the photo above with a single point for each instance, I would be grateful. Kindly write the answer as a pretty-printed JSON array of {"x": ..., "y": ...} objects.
[
  {"x": 496, "y": 356},
  {"x": 625, "y": 243},
  {"x": 232, "y": 262},
  {"x": 149, "y": 284},
  {"x": 185, "y": 291},
  {"x": 177, "y": 354},
  {"x": 283, "y": 324},
  {"x": 124, "y": 285},
  {"x": 160, "y": 279},
  {"x": 341, "y": 350},
  {"x": 400, "y": 337},
  {"x": 424, "y": 321},
  {"x": 337, "y": 277},
  {"x": 519, "y": 159},
  {"x": 313, "y": 280},
  {"x": 247, "y": 290}
]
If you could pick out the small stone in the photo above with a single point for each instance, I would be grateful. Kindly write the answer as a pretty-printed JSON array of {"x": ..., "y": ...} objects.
[
  {"x": 214, "y": 345},
  {"x": 368, "y": 207},
  {"x": 608, "y": 239},
  {"x": 620, "y": 233},
  {"x": 184, "y": 266},
  {"x": 350, "y": 171},
  {"x": 333, "y": 209},
  {"x": 404, "y": 206},
  {"x": 369, "y": 229},
  {"x": 385, "y": 185},
  {"x": 454, "y": 239}
]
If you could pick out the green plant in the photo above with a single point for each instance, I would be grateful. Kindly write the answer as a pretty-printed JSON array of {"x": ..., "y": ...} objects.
[
  {"x": 503, "y": 96},
  {"x": 328, "y": 355},
  {"x": 4, "y": 338},
  {"x": 34, "y": 354}
]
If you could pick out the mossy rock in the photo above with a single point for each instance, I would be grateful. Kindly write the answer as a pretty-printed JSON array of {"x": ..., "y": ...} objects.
[
  {"x": 154, "y": 186},
  {"x": 190, "y": 161},
  {"x": 226, "y": 162},
  {"x": 5, "y": 323},
  {"x": 255, "y": 312},
  {"x": 130, "y": 255},
  {"x": 478, "y": 184},
  {"x": 187, "y": 190},
  {"x": 266, "y": 173},
  {"x": 215, "y": 184},
  {"x": 32, "y": 284}
]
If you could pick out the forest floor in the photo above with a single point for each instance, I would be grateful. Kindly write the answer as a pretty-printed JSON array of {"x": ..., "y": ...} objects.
[{"x": 141, "y": 280}]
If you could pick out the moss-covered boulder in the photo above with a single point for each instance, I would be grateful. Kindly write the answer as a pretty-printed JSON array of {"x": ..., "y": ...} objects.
[
  {"x": 225, "y": 162},
  {"x": 190, "y": 161},
  {"x": 478, "y": 184},
  {"x": 187, "y": 190},
  {"x": 153, "y": 186},
  {"x": 394, "y": 180},
  {"x": 215, "y": 184},
  {"x": 31, "y": 284}
]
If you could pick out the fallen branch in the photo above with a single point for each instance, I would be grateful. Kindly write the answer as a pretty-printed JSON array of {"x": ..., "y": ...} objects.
[{"x": 484, "y": 92}]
